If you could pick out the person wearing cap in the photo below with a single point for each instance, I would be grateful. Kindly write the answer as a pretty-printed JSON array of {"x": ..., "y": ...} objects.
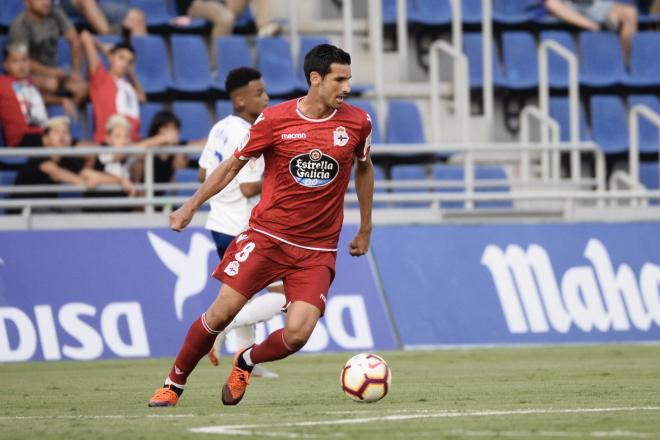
[
  {"x": 115, "y": 90},
  {"x": 57, "y": 168}
]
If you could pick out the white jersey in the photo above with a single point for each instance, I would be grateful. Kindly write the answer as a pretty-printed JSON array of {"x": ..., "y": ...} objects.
[{"x": 230, "y": 209}]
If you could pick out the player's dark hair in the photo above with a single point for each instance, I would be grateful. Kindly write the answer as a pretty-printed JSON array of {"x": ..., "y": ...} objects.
[
  {"x": 240, "y": 77},
  {"x": 123, "y": 44},
  {"x": 161, "y": 119},
  {"x": 321, "y": 57}
]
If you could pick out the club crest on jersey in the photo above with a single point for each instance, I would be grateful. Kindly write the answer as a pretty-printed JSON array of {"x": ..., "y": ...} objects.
[
  {"x": 232, "y": 268},
  {"x": 340, "y": 137},
  {"x": 313, "y": 169}
]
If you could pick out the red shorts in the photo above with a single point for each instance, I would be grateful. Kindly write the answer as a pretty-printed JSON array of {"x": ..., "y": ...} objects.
[{"x": 254, "y": 260}]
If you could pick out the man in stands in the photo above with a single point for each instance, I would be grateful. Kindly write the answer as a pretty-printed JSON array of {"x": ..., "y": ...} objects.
[
  {"x": 309, "y": 146},
  {"x": 22, "y": 109},
  {"x": 113, "y": 91},
  {"x": 39, "y": 27},
  {"x": 593, "y": 15},
  {"x": 231, "y": 207}
]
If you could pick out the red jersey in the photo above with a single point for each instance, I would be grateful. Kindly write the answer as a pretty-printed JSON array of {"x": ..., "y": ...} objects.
[
  {"x": 308, "y": 166},
  {"x": 22, "y": 110},
  {"x": 112, "y": 96}
]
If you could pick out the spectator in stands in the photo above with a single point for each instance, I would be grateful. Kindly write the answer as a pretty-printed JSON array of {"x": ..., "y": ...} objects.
[
  {"x": 594, "y": 14},
  {"x": 223, "y": 14},
  {"x": 22, "y": 109},
  {"x": 58, "y": 169},
  {"x": 113, "y": 91},
  {"x": 107, "y": 17},
  {"x": 39, "y": 27},
  {"x": 117, "y": 134}
]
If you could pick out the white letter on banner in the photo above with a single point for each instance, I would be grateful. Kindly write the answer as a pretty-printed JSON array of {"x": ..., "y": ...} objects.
[
  {"x": 613, "y": 286},
  {"x": 91, "y": 344},
  {"x": 27, "y": 337},
  {"x": 650, "y": 281},
  {"x": 583, "y": 299},
  {"x": 50, "y": 346},
  {"x": 358, "y": 317},
  {"x": 138, "y": 345}
]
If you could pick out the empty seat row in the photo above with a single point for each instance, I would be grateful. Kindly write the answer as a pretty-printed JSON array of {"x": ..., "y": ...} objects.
[
  {"x": 600, "y": 60},
  {"x": 609, "y": 122}
]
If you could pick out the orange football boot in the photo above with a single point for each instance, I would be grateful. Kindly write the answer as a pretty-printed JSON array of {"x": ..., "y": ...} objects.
[
  {"x": 164, "y": 396},
  {"x": 237, "y": 382}
]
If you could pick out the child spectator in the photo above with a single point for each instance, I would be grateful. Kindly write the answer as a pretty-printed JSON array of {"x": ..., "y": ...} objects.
[
  {"x": 22, "y": 109},
  {"x": 117, "y": 134},
  {"x": 39, "y": 27},
  {"x": 113, "y": 91},
  {"x": 107, "y": 17}
]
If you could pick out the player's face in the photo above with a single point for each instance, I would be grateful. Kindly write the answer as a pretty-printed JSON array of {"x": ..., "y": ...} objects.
[
  {"x": 335, "y": 86},
  {"x": 119, "y": 136},
  {"x": 121, "y": 61},
  {"x": 39, "y": 7},
  {"x": 58, "y": 136},
  {"x": 17, "y": 65},
  {"x": 255, "y": 96}
]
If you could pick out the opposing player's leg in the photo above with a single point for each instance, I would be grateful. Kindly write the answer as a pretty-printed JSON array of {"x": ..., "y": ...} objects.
[
  {"x": 197, "y": 343},
  {"x": 301, "y": 320}
]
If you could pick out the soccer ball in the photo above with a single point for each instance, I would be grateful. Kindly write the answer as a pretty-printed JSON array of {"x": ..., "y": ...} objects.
[{"x": 366, "y": 378}]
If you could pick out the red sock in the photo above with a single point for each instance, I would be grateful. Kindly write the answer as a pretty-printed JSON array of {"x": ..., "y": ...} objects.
[
  {"x": 272, "y": 349},
  {"x": 197, "y": 344}
]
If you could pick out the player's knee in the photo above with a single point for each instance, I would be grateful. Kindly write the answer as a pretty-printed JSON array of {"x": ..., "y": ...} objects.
[
  {"x": 296, "y": 338},
  {"x": 218, "y": 318}
]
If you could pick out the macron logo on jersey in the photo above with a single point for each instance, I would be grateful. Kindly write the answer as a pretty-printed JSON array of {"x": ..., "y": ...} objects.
[{"x": 287, "y": 136}]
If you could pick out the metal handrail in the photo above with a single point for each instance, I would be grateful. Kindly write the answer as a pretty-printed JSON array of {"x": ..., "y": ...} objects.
[
  {"x": 637, "y": 111},
  {"x": 573, "y": 94},
  {"x": 546, "y": 121}
]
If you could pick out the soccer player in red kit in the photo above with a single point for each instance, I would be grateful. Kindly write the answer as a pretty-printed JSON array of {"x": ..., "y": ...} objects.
[{"x": 309, "y": 146}]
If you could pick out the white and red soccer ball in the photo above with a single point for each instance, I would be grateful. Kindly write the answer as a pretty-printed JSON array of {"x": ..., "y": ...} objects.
[{"x": 366, "y": 378}]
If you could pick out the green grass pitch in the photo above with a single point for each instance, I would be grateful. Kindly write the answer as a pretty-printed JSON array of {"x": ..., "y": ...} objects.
[{"x": 582, "y": 392}]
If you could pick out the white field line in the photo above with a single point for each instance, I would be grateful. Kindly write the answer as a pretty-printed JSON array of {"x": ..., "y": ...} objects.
[
  {"x": 250, "y": 429},
  {"x": 95, "y": 417},
  {"x": 550, "y": 434}
]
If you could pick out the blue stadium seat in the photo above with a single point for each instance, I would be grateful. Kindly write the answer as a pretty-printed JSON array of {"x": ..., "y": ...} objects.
[
  {"x": 230, "y": 52},
  {"x": 482, "y": 174},
  {"x": 404, "y": 123},
  {"x": 275, "y": 63},
  {"x": 409, "y": 172},
  {"x": 648, "y": 133},
  {"x": 147, "y": 112},
  {"x": 195, "y": 119},
  {"x": 471, "y": 11},
  {"x": 649, "y": 176},
  {"x": 557, "y": 66},
  {"x": 191, "y": 71},
  {"x": 63, "y": 56},
  {"x": 644, "y": 60},
  {"x": 453, "y": 175},
  {"x": 157, "y": 12},
  {"x": 601, "y": 60},
  {"x": 151, "y": 63},
  {"x": 473, "y": 49},
  {"x": 223, "y": 108},
  {"x": 514, "y": 11},
  {"x": 389, "y": 11},
  {"x": 9, "y": 10},
  {"x": 376, "y": 136},
  {"x": 519, "y": 61},
  {"x": 429, "y": 12},
  {"x": 77, "y": 131},
  {"x": 306, "y": 44},
  {"x": 609, "y": 125},
  {"x": 559, "y": 112},
  {"x": 379, "y": 175},
  {"x": 186, "y": 175}
]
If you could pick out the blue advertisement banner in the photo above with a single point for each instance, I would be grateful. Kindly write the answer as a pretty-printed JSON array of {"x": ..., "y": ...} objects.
[
  {"x": 519, "y": 284},
  {"x": 91, "y": 294}
]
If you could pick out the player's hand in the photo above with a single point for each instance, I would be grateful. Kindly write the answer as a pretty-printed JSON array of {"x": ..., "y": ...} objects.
[
  {"x": 181, "y": 218},
  {"x": 360, "y": 244}
]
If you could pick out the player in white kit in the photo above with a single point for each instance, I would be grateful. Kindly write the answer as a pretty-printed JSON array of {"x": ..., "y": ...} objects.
[{"x": 231, "y": 207}]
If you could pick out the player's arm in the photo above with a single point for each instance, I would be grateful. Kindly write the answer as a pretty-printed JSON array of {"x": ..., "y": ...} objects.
[
  {"x": 364, "y": 187},
  {"x": 89, "y": 47},
  {"x": 250, "y": 189},
  {"x": 214, "y": 183},
  {"x": 201, "y": 174}
]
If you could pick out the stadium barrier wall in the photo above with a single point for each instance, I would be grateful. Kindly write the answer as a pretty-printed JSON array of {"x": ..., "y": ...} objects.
[
  {"x": 92, "y": 294},
  {"x": 520, "y": 284}
]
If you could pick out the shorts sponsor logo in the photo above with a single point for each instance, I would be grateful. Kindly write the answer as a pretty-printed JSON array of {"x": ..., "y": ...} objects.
[
  {"x": 289, "y": 136},
  {"x": 241, "y": 238},
  {"x": 232, "y": 268},
  {"x": 340, "y": 137},
  {"x": 314, "y": 169},
  {"x": 596, "y": 296}
]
